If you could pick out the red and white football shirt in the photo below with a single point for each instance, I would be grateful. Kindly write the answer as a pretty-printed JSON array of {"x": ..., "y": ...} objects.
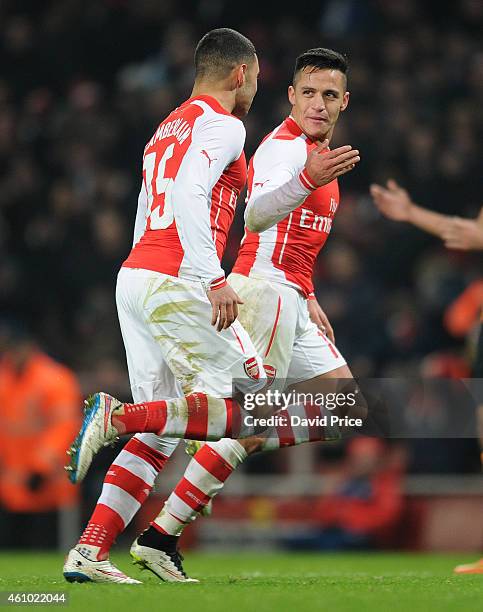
[
  {"x": 193, "y": 171},
  {"x": 297, "y": 213}
]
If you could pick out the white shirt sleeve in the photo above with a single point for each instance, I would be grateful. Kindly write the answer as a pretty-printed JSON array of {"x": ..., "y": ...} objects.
[
  {"x": 217, "y": 141},
  {"x": 279, "y": 184},
  {"x": 141, "y": 215}
]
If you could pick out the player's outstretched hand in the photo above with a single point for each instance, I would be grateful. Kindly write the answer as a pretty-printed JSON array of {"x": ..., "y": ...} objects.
[
  {"x": 392, "y": 201},
  {"x": 324, "y": 166},
  {"x": 224, "y": 304},
  {"x": 318, "y": 316},
  {"x": 463, "y": 234}
]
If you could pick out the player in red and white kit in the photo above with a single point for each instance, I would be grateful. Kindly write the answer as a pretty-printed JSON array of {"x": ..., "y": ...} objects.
[
  {"x": 288, "y": 220},
  {"x": 171, "y": 290}
]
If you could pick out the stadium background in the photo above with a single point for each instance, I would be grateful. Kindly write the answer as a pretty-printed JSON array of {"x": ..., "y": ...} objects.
[{"x": 84, "y": 84}]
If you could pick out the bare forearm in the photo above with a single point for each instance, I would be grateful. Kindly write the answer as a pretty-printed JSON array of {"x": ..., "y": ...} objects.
[
  {"x": 427, "y": 220},
  {"x": 464, "y": 234}
]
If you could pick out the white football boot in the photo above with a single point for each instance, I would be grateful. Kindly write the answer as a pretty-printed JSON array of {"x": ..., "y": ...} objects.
[
  {"x": 96, "y": 432},
  {"x": 79, "y": 567},
  {"x": 167, "y": 565}
]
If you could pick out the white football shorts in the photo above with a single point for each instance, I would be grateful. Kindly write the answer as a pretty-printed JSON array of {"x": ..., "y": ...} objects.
[
  {"x": 277, "y": 320},
  {"x": 171, "y": 347}
]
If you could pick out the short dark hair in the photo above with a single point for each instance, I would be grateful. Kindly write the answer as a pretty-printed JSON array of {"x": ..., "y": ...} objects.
[
  {"x": 220, "y": 50},
  {"x": 320, "y": 59}
]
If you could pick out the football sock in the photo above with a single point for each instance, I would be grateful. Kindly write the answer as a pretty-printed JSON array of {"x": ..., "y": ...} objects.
[
  {"x": 204, "y": 477},
  {"x": 299, "y": 424},
  {"x": 194, "y": 417},
  {"x": 211, "y": 466},
  {"x": 153, "y": 538},
  {"x": 127, "y": 484}
]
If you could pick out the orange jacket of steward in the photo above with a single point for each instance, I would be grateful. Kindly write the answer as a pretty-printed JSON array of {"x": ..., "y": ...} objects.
[{"x": 39, "y": 417}]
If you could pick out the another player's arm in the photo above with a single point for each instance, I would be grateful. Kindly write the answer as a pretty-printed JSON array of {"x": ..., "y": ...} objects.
[
  {"x": 464, "y": 234},
  {"x": 283, "y": 187},
  {"x": 395, "y": 203},
  {"x": 216, "y": 144}
]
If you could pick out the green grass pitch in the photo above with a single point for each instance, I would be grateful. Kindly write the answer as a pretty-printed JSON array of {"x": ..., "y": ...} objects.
[{"x": 264, "y": 583}]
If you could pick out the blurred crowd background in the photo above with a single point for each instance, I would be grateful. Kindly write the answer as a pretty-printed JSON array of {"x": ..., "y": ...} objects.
[{"x": 83, "y": 85}]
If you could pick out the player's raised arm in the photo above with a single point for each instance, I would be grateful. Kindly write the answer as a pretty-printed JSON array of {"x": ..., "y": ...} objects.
[
  {"x": 279, "y": 186},
  {"x": 275, "y": 188}
]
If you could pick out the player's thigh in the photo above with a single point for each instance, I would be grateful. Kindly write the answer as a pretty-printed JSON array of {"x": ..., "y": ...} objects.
[
  {"x": 314, "y": 355},
  {"x": 177, "y": 314},
  {"x": 318, "y": 369},
  {"x": 337, "y": 380},
  {"x": 149, "y": 374},
  {"x": 269, "y": 315}
]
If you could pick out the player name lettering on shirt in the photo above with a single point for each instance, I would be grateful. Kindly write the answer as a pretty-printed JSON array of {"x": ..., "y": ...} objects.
[
  {"x": 179, "y": 128},
  {"x": 310, "y": 220}
]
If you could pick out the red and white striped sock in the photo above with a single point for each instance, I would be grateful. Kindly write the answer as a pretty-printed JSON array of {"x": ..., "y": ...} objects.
[
  {"x": 292, "y": 432},
  {"x": 127, "y": 484},
  {"x": 204, "y": 477},
  {"x": 195, "y": 417},
  {"x": 207, "y": 472}
]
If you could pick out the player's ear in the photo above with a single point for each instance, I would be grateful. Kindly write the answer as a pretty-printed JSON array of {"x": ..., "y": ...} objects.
[
  {"x": 240, "y": 75},
  {"x": 291, "y": 94},
  {"x": 345, "y": 101}
]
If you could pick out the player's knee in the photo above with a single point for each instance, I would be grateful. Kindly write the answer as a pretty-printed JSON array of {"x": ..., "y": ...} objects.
[
  {"x": 376, "y": 420},
  {"x": 355, "y": 406},
  {"x": 252, "y": 445}
]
